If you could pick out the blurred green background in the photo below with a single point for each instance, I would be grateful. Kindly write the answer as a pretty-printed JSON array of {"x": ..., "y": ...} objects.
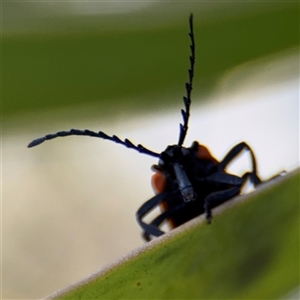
[
  {"x": 53, "y": 59},
  {"x": 68, "y": 207}
]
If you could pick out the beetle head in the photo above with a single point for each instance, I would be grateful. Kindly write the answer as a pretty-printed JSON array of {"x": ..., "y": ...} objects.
[{"x": 174, "y": 160}]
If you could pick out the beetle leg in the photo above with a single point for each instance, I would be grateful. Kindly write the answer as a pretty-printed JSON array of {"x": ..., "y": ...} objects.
[
  {"x": 145, "y": 209},
  {"x": 161, "y": 218},
  {"x": 217, "y": 198},
  {"x": 224, "y": 178},
  {"x": 235, "y": 151}
]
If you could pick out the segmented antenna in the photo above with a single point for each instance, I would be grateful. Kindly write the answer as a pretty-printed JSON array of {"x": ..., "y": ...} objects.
[
  {"x": 127, "y": 143},
  {"x": 188, "y": 86}
]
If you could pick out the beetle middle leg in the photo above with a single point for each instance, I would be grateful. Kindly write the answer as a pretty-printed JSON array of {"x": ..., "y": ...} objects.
[{"x": 234, "y": 152}]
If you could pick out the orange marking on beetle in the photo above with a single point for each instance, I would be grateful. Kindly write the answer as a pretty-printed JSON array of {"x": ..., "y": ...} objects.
[
  {"x": 158, "y": 181},
  {"x": 204, "y": 153}
]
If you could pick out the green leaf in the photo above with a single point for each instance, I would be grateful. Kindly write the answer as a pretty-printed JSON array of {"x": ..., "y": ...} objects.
[{"x": 250, "y": 251}]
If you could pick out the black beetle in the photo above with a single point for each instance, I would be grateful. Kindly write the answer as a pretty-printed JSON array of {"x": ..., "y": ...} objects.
[{"x": 187, "y": 181}]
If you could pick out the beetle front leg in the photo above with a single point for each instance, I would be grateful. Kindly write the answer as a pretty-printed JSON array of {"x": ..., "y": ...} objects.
[
  {"x": 161, "y": 218},
  {"x": 217, "y": 198},
  {"x": 145, "y": 209}
]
